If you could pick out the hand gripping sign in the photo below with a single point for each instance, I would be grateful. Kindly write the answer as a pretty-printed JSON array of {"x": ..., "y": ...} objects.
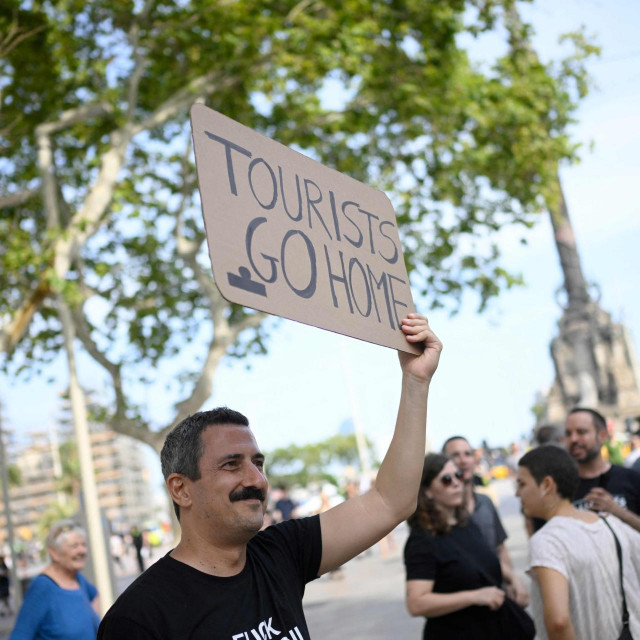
[{"x": 292, "y": 237}]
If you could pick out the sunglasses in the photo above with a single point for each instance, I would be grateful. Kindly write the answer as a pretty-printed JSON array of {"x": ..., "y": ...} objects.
[{"x": 447, "y": 478}]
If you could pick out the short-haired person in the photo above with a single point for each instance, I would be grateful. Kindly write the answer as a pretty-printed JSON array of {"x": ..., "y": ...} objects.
[
  {"x": 573, "y": 560},
  {"x": 452, "y": 573},
  {"x": 632, "y": 461},
  {"x": 484, "y": 514},
  {"x": 545, "y": 435},
  {"x": 603, "y": 486},
  {"x": 549, "y": 434},
  {"x": 60, "y": 604},
  {"x": 227, "y": 579}
]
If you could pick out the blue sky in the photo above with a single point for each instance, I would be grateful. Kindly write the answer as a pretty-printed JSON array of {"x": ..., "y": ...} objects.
[{"x": 493, "y": 364}]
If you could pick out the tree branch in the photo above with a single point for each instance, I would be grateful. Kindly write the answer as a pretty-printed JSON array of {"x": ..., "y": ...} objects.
[
  {"x": 16, "y": 199},
  {"x": 204, "y": 85},
  {"x": 15, "y": 36},
  {"x": 11, "y": 333},
  {"x": 140, "y": 60},
  {"x": 87, "y": 219},
  {"x": 204, "y": 385},
  {"x": 118, "y": 421},
  {"x": 72, "y": 116}
]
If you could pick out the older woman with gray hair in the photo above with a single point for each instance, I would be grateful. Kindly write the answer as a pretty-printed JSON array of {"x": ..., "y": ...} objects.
[{"x": 60, "y": 602}]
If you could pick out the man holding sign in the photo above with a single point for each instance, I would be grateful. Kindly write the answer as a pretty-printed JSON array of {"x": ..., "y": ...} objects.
[{"x": 227, "y": 579}]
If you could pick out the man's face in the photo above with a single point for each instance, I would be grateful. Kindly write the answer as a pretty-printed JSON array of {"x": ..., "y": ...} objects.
[
  {"x": 529, "y": 493},
  {"x": 459, "y": 451},
  {"x": 231, "y": 494},
  {"x": 581, "y": 437}
]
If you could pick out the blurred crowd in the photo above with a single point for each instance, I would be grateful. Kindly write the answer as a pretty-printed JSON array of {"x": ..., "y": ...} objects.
[{"x": 580, "y": 495}]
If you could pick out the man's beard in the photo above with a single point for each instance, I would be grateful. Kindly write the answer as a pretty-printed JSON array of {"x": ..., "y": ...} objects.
[{"x": 590, "y": 455}]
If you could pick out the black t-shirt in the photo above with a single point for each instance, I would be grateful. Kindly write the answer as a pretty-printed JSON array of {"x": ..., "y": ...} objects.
[
  {"x": 623, "y": 484},
  {"x": 440, "y": 558},
  {"x": 486, "y": 518},
  {"x": 173, "y": 601}
]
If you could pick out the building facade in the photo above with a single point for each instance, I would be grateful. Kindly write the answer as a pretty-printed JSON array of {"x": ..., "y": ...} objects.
[{"x": 124, "y": 488}]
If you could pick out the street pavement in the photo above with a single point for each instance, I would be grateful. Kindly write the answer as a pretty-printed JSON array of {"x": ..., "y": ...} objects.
[{"x": 367, "y": 601}]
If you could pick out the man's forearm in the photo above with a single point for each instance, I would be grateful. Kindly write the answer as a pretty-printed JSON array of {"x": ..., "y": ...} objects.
[
  {"x": 399, "y": 476},
  {"x": 632, "y": 519},
  {"x": 516, "y": 589}
]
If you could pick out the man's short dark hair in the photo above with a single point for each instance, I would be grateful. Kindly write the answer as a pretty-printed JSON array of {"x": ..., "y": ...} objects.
[
  {"x": 555, "y": 462},
  {"x": 548, "y": 434},
  {"x": 183, "y": 446},
  {"x": 451, "y": 439},
  {"x": 598, "y": 419}
]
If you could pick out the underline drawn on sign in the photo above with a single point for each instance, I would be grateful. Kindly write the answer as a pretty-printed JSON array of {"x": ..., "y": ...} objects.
[{"x": 243, "y": 281}]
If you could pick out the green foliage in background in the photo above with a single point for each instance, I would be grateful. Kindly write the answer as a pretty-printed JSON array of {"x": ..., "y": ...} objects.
[
  {"x": 98, "y": 198},
  {"x": 316, "y": 462}
]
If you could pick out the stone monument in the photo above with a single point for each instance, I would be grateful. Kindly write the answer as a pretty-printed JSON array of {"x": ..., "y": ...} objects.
[{"x": 593, "y": 356}]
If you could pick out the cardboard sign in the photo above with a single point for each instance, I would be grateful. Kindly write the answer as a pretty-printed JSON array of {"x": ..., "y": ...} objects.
[{"x": 292, "y": 237}]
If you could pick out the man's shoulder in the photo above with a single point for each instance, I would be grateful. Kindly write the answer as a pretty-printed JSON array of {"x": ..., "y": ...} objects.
[
  {"x": 287, "y": 530},
  {"x": 290, "y": 544},
  {"x": 148, "y": 603},
  {"x": 621, "y": 476},
  {"x": 483, "y": 500},
  {"x": 161, "y": 576},
  {"x": 615, "y": 473},
  {"x": 483, "y": 504},
  {"x": 624, "y": 472}
]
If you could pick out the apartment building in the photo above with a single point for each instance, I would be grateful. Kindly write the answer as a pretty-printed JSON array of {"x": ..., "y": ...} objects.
[{"x": 122, "y": 478}]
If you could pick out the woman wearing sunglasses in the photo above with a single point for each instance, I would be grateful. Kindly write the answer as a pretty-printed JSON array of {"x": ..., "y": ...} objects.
[{"x": 451, "y": 570}]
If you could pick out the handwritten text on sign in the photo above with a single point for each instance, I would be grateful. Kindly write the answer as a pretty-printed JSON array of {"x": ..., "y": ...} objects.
[{"x": 292, "y": 237}]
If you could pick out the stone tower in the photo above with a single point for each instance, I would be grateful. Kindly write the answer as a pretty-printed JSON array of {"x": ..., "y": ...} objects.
[{"x": 593, "y": 356}]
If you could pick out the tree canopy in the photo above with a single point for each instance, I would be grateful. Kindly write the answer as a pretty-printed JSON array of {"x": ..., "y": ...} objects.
[
  {"x": 316, "y": 462},
  {"x": 97, "y": 183}
]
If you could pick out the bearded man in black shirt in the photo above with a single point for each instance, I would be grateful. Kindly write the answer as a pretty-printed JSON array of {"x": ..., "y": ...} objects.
[
  {"x": 603, "y": 486},
  {"x": 228, "y": 580}
]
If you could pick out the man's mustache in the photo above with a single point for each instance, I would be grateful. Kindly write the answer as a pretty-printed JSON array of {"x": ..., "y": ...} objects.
[{"x": 247, "y": 493}]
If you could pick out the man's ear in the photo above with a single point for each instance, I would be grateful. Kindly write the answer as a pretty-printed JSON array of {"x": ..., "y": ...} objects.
[
  {"x": 179, "y": 489},
  {"x": 548, "y": 486}
]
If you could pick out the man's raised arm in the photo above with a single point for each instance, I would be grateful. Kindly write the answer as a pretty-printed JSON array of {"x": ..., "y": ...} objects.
[{"x": 356, "y": 524}]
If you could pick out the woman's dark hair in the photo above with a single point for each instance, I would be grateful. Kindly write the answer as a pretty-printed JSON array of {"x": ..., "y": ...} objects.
[
  {"x": 427, "y": 515},
  {"x": 555, "y": 462}
]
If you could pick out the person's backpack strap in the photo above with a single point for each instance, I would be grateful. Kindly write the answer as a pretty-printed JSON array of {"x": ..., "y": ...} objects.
[{"x": 625, "y": 611}]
